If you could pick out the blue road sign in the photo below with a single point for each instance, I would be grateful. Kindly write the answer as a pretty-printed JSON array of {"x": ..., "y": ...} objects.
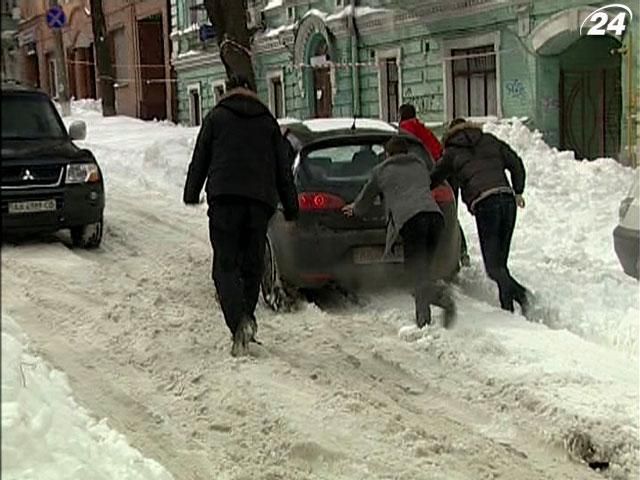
[
  {"x": 56, "y": 17},
  {"x": 207, "y": 32}
]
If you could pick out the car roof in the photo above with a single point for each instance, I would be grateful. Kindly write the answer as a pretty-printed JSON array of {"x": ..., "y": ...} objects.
[
  {"x": 320, "y": 129},
  {"x": 10, "y": 87}
]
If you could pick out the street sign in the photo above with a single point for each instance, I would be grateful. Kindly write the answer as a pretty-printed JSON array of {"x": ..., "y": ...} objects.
[{"x": 56, "y": 17}]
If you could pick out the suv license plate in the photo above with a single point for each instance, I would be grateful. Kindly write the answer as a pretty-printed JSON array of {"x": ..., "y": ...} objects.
[
  {"x": 32, "y": 206},
  {"x": 368, "y": 255}
]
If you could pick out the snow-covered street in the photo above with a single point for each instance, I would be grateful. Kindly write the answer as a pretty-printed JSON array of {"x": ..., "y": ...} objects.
[{"x": 348, "y": 392}]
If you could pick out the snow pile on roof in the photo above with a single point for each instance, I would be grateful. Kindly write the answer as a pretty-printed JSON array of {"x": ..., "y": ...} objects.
[
  {"x": 46, "y": 435},
  {"x": 273, "y": 4},
  {"x": 360, "y": 12},
  {"x": 274, "y": 32},
  {"x": 328, "y": 124},
  {"x": 317, "y": 13}
]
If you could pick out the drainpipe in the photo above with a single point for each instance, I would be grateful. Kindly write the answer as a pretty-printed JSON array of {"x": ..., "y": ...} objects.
[
  {"x": 355, "y": 75},
  {"x": 632, "y": 115}
]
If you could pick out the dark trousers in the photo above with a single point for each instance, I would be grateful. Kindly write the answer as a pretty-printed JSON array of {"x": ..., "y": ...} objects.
[
  {"x": 496, "y": 219},
  {"x": 420, "y": 236},
  {"x": 238, "y": 231}
]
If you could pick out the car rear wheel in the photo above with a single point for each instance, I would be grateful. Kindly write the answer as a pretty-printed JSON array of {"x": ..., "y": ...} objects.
[
  {"x": 278, "y": 296},
  {"x": 87, "y": 236}
]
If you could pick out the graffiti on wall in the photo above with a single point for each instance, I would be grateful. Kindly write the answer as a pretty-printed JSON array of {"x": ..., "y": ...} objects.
[
  {"x": 423, "y": 102},
  {"x": 516, "y": 89},
  {"x": 550, "y": 104}
]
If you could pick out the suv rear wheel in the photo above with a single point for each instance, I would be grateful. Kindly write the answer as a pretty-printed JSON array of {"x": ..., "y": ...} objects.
[{"x": 87, "y": 236}]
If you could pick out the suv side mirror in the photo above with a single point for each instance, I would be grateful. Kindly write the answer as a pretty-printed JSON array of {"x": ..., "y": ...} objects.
[{"x": 78, "y": 130}]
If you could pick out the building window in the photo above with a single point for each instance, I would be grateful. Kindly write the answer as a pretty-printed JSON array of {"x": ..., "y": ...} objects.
[
  {"x": 389, "y": 85},
  {"x": 291, "y": 13},
  {"x": 53, "y": 77},
  {"x": 276, "y": 95},
  {"x": 196, "y": 12},
  {"x": 195, "y": 105},
  {"x": 119, "y": 56},
  {"x": 474, "y": 82},
  {"x": 339, "y": 3},
  {"x": 219, "y": 89},
  {"x": 391, "y": 66}
]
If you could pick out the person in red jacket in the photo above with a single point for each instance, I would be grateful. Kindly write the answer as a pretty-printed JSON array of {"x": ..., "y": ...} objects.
[{"x": 409, "y": 122}]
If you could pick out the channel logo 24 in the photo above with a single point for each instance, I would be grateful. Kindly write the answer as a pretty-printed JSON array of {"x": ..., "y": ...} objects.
[{"x": 602, "y": 23}]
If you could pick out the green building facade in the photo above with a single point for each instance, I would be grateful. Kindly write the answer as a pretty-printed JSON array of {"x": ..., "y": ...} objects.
[{"x": 471, "y": 58}]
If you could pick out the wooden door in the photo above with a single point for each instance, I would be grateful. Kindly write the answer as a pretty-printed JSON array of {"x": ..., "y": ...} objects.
[
  {"x": 322, "y": 92},
  {"x": 153, "y": 104}
]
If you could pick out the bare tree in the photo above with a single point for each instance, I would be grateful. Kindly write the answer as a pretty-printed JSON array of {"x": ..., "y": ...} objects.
[
  {"x": 229, "y": 18},
  {"x": 103, "y": 59}
]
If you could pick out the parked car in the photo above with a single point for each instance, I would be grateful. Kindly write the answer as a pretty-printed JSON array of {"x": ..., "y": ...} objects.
[
  {"x": 48, "y": 183},
  {"x": 626, "y": 236},
  {"x": 333, "y": 161}
]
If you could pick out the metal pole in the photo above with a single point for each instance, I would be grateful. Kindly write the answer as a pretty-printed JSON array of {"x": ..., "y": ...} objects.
[
  {"x": 355, "y": 71},
  {"x": 61, "y": 68}
]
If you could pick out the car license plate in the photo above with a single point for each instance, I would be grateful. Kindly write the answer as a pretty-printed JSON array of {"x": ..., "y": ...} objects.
[
  {"x": 368, "y": 255},
  {"x": 32, "y": 206}
]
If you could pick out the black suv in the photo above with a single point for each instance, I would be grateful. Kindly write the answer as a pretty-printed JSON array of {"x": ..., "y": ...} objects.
[{"x": 48, "y": 183}]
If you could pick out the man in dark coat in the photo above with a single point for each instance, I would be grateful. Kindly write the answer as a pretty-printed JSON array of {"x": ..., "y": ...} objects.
[
  {"x": 477, "y": 162},
  {"x": 244, "y": 159},
  {"x": 412, "y": 213}
]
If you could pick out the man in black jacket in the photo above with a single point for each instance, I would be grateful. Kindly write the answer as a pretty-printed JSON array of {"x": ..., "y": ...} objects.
[
  {"x": 477, "y": 162},
  {"x": 244, "y": 159}
]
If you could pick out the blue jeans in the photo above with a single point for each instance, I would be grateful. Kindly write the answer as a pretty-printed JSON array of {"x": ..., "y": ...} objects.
[{"x": 496, "y": 219}]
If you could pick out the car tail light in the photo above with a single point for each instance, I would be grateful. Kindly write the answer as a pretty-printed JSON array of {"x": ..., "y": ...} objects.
[{"x": 318, "y": 202}]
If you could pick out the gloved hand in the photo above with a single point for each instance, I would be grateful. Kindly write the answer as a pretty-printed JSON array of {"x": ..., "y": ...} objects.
[{"x": 348, "y": 210}]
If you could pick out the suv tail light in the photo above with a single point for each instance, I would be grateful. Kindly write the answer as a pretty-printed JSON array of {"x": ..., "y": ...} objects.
[{"x": 319, "y": 202}]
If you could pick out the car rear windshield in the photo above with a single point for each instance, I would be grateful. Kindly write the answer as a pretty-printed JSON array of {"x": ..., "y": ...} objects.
[
  {"x": 30, "y": 117},
  {"x": 349, "y": 163}
]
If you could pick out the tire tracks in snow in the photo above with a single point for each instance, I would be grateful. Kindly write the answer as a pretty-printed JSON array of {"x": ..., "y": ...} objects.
[{"x": 331, "y": 395}]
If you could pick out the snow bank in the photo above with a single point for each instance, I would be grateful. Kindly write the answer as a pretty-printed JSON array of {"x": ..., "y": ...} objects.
[
  {"x": 46, "y": 435},
  {"x": 133, "y": 153},
  {"x": 563, "y": 244}
]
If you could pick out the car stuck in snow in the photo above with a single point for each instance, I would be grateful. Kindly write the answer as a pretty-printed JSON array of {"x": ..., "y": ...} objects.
[{"x": 333, "y": 160}]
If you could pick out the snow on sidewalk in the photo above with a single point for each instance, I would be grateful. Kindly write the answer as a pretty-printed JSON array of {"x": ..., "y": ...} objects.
[
  {"x": 46, "y": 435},
  {"x": 575, "y": 373}
]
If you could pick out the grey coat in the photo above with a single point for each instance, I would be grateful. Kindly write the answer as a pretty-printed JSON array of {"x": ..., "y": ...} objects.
[{"x": 404, "y": 183}]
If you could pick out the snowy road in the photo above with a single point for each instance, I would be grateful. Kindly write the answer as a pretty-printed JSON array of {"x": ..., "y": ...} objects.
[{"x": 353, "y": 393}]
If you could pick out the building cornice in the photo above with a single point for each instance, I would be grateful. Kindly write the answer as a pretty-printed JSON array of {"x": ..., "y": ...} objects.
[{"x": 204, "y": 58}]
